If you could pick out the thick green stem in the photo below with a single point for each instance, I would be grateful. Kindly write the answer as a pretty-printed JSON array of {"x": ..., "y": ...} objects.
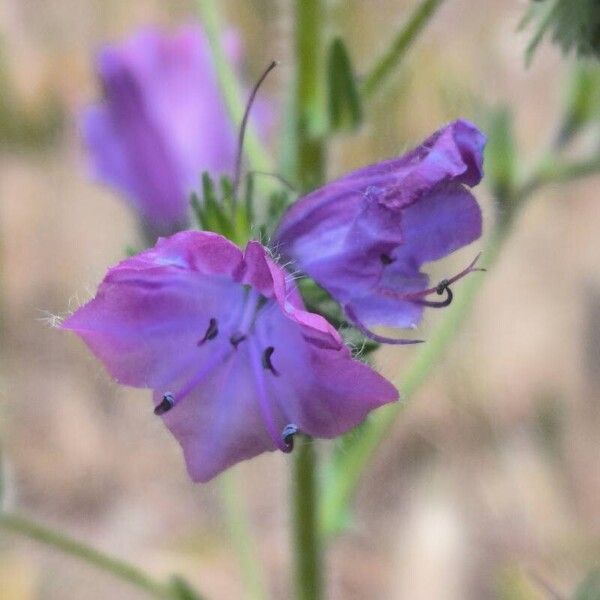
[
  {"x": 309, "y": 94},
  {"x": 307, "y": 544},
  {"x": 401, "y": 43},
  {"x": 241, "y": 536},
  {"x": 309, "y": 115},
  {"x": 57, "y": 540},
  {"x": 234, "y": 98}
]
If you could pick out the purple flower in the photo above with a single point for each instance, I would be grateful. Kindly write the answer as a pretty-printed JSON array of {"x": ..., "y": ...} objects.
[
  {"x": 236, "y": 364},
  {"x": 365, "y": 237},
  {"x": 162, "y": 121}
]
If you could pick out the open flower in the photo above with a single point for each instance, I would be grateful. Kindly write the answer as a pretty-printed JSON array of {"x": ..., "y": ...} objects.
[
  {"x": 364, "y": 237},
  {"x": 236, "y": 364},
  {"x": 161, "y": 123}
]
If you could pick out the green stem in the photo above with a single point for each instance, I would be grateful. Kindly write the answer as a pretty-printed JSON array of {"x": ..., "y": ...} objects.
[
  {"x": 309, "y": 94},
  {"x": 309, "y": 116},
  {"x": 241, "y": 536},
  {"x": 564, "y": 172},
  {"x": 257, "y": 155},
  {"x": 401, "y": 43},
  {"x": 344, "y": 480},
  {"x": 55, "y": 539},
  {"x": 309, "y": 582}
]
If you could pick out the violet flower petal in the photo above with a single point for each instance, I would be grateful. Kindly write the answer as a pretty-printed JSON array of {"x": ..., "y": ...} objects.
[
  {"x": 162, "y": 122},
  {"x": 373, "y": 229},
  {"x": 193, "y": 318}
]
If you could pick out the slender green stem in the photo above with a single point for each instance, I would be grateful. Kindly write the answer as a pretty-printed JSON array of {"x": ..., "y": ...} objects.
[
  {"x": 401, "y": 43},
  {"x": 257, "y": 155},
  {"x": 344, "y": 481},
  {"x": 565, "y": 171},
  {"x": 241, "y": 536},
  {"x": 55, "y": 539},
  {"x": 309, "y": 94},
  {"x": 309, "y": 582}
]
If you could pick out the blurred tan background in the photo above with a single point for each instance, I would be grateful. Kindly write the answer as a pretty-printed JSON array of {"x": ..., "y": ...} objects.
[{"x": 491, "y": 479}]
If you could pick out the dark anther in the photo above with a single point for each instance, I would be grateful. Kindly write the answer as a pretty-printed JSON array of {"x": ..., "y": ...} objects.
[
  {"x": 211, "y": 332},
  {"x": 441, "y": 288},
  {"x": 266, "y": 360},
  {"x": 237, "y": 339},
  {"x": 166, "y": 405},
  {"x": 287, "y": 435},
  {"x": 386, "y": 259}
]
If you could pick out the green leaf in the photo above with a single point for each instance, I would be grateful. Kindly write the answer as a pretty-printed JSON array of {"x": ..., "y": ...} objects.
[
  {"x": 544, "y": 12},
  {"x": 131, "y": 251},
  {"x": 500, "y": 154},
  {"x": 197, "y": 210},
  {"x": 182, "y": 590},
  {"x": 213, "y": 215},
  {"x": 345, "y": 109},
  {"x": 582, "y": 104},
  {"x": 589, "y": 589}
]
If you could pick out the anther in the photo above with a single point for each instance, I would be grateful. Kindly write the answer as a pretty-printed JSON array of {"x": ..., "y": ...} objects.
[
  {"x": 287, "y": 435},
  {"x": 211, "y": 332},
  {"x": 168, "y": 401},
  {"x": 386, "y": 259},
  {"x": 266, "y": 360},
  {"x": 442, "y": 286},
  {"x": 237, "y": 339}
]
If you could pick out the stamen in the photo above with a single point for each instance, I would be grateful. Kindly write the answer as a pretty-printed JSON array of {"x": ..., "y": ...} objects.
[
  {"x": 170, "y": 399},
  {"x": 237, "y": 339},
  {"x": 263, "y": 400},
  {"x": 380, "y": 339},
  {"x": 266, "y": 360},
  {"x": 253, "y": 300},
  {"x": 287, "y": 435},
  {"x": 439, "y": 289},
  {"x": 166, "y": 405},
  {"x": 211, "y": 332},
  {"x": 238, "y": 158}
]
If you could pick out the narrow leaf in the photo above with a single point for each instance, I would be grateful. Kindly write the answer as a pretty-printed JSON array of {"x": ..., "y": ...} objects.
[{"x": 345, "y": 109}]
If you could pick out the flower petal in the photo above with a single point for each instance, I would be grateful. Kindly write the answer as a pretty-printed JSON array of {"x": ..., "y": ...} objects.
[
  {"x": 219, "y": 423},
  {"x": 151, "y": 310},
  {"x": 320, "y": 389},
  {"x": 374, "y": 228},
  {"x": 163, "y": 121}
]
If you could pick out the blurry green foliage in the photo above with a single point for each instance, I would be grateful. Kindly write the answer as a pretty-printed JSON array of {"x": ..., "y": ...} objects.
[
  {"x": 549, "y": 413},
  {"x": 500, "y": 153},
  {"x": 23, "y": 127},
  {"x": 512, "y": 583},
  {"x": 573, "y": 25},
  {"x": 589, "y": 589},
  {"x": 220, "y": 210},
  {"x": 345, "y": 108},
  {"x": 582, "y": 103},
  {"x": 181, "y": 589}
]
